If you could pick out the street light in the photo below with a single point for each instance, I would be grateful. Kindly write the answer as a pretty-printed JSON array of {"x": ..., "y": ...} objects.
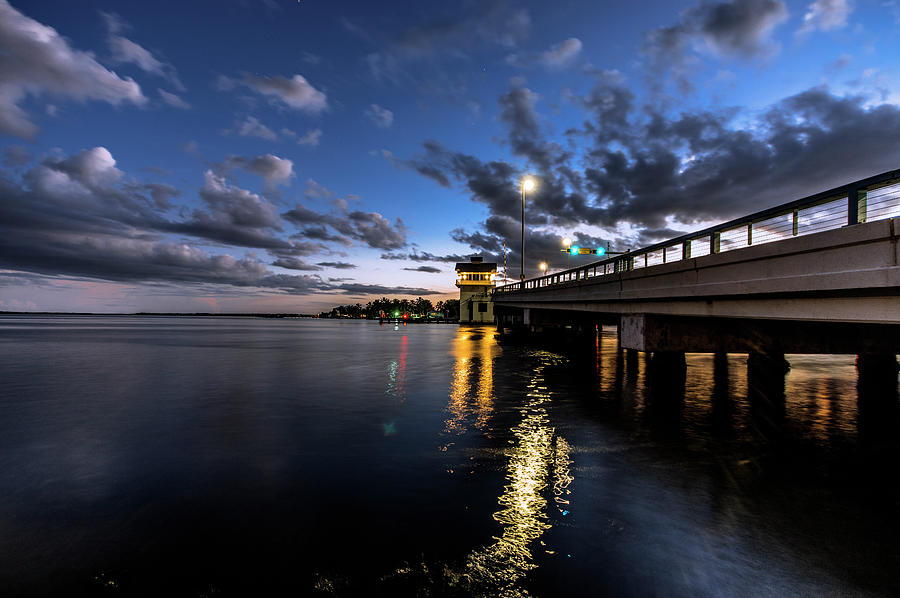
[
  {"x": 543, "y": 267},
  {"x": 527, "y": 185},
  {"x": 567, "y": 242}
]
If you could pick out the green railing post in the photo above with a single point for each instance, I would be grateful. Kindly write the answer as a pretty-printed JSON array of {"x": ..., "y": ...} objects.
[
  {"x": 852, "y": 206},
  {"x": 862, "y": 205}
]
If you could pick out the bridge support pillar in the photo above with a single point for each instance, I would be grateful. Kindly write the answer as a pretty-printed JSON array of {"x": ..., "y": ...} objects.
[
  {"x": 631, "y": 364},
  {"x": 766, "y": 370},
  {"x": 877, "y": 396},
  {"x": 668, "y": 366},
  {"x": 877, "y": 370},
  {"x": 665, "y": 380}
]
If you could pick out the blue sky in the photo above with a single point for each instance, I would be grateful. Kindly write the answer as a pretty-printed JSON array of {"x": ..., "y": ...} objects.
[{"x": 267, "y": 155}]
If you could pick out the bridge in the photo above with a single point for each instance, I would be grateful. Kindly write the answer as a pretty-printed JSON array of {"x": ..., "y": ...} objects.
[{"x": 816, "y": 275}]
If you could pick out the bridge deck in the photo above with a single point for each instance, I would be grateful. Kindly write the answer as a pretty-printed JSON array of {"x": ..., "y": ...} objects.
[{"x": 831, "y": 257}]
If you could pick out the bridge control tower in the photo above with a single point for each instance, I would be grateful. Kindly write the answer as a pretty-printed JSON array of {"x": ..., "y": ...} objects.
[{"x": 476, "y": 280}]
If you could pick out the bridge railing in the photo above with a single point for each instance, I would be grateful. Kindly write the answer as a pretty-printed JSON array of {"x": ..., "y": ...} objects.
[{"x": 866, "y": 200}]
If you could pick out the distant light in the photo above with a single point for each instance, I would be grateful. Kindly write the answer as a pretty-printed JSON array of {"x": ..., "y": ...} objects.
[
  {"x": 543, "y": 266},
  {"x": 396, "y": 314},
  {"x": 574, "y": 250},
  {"x": 528, "y": 183},
  {"x": 567, "y": 241}
]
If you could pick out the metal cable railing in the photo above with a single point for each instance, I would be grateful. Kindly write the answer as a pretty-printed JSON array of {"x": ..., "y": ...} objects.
[{"x": 867, "y": 200}]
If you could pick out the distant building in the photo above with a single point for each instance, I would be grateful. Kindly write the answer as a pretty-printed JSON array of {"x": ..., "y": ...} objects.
[{"x": 475, "y": 280}]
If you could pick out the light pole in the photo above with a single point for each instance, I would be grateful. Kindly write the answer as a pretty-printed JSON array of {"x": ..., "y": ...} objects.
[
  {"x": 567, "y": 242},
  {"x": 527, "y": 185}
]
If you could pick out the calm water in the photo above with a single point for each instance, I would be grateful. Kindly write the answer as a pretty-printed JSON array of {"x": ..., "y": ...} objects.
[{"x": 228, "y": 457}]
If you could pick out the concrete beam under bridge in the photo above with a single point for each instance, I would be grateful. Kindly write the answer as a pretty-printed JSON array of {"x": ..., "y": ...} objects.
[{"x": 650, "y": 332}]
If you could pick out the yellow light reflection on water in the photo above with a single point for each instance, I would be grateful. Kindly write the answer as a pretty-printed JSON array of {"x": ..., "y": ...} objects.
[
  {"x": 821, "y": 393},
  {"x": 474, "y": 355},
  {"x": 498, "y": 569},
  {"x": 485, "y": 396}
]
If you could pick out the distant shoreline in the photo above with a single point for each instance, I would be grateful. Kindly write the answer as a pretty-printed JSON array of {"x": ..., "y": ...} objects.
[
  {"x": 168, "y": 314},
  {"x": 211, "y": 315}
]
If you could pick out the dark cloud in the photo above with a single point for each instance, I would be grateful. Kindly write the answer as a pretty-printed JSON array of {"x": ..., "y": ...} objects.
[
  {"x": 647, "y": 168},
  {"x": 491, "y": 183},
  {"x": 233, "y": 216},
  {"x": 731, "y": 28},
  {"x": 74, "y": 216},
  {"x": 300, "y": 214},
  {"x": 16, "y": 156},
  {"x": 429, "y": 269},
  {"x": 424, "y": 256},
  {"x": 464, "y": 29},
  {"x": 320, "y": 233},
  {"x": 375, "y": 289},
  {"x": 337, "y": 265},
  {"x": 376, "y": 230},
  {"x": 371, "y": 228},
  {"x": 161, "y": 193},
  {"x": 806, "y": 137},
  {"x": 517, "y": 110},
  {"x": 294, "y": 263}
]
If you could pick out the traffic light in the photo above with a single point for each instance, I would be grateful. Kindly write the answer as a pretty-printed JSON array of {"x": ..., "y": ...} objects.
[{"x": 576, "y": 250}]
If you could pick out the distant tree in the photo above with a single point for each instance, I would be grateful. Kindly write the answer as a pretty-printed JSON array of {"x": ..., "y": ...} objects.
[
  {"x": 423, "y": 306},
  {"x": 451, "y": 308}
]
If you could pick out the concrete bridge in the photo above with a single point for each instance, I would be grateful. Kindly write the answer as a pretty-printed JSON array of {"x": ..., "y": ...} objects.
[{"x": 820, "y": 274}]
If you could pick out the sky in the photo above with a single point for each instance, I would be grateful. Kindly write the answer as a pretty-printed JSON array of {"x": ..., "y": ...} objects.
[{"x": 285, "y": 156}]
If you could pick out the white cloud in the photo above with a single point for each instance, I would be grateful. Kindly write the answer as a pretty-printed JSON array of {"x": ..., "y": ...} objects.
[
  {"x": 173, "y": 100},
  {"x": 35, "y": 60},
  {"x": 296, "y": 92},
  {"x": 825, "y": 15},
  {"x": 251, "y": 127},
  {"x": 382, "y": 117},
  {"x": 272, "y": 169},
  {"x": 311, "y": 138},
  {"x": 125, "y": 51},
  {"x": 562, "y": 54}
]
